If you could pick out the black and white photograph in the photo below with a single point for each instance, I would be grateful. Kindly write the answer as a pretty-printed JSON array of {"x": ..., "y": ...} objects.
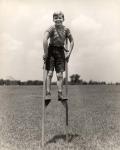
[{"x": 59, "y": 75}]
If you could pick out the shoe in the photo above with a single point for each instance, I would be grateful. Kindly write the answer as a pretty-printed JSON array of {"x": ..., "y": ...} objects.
[
  {"x": 47, "y": 98},
  {"x": 61, "y": 97}
]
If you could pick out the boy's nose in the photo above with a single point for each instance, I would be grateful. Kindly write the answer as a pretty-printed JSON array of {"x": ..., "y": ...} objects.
[{"x": 58, "y": 19}]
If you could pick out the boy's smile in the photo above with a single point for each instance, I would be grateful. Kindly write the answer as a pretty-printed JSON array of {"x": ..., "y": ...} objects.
[{"x": 58, "y": 20}]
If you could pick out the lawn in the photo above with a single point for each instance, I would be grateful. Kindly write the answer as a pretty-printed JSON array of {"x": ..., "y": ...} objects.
[{"x": 94, "y": 118}]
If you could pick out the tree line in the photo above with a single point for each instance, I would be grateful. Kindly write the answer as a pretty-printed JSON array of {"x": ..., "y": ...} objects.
[
  {"x": 19, "y": 82},
  {"x": 74, "y": 80}
]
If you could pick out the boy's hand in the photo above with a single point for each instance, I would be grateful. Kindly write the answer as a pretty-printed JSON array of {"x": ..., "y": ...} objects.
[
  {"x": 67, "y": 57},
  {"x": 66, "y": 50},
  {"x": 45, "y": 57}
]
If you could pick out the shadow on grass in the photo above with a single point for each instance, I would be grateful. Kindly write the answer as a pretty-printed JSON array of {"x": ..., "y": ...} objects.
[{"x": 63, "y": 137}]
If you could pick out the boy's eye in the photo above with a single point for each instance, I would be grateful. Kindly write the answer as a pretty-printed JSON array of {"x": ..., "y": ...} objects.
[{"x": 58, "y": 17}]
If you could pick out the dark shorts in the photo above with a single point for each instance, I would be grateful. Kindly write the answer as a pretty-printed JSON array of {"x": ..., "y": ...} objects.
[{"x": 55, "y": 59}]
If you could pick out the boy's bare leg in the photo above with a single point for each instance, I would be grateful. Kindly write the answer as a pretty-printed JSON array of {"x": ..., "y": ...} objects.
[
  {"x": 60, "y": 81},
  {"x": 48, "y": 83},
  {"x": 60, "y": 85}
]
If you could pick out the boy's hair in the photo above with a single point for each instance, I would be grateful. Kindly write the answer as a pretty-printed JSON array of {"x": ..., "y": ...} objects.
[{"x": 57, "y": 13}]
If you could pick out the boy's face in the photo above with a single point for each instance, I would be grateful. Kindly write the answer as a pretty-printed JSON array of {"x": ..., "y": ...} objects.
[{"x": 58, "y": 19}]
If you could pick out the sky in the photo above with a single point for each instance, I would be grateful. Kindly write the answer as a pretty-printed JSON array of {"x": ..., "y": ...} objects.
[{"x": 94, "y": 24}]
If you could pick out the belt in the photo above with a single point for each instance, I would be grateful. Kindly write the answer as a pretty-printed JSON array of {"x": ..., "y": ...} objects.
[{"x": 62, "y": 47}]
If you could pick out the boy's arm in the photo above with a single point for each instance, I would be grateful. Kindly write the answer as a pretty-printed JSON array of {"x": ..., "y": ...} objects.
[
  {"x": 71, "y": 47},
  {"x": 45, "y": 45},
  {"x": 71, "y": 44}
]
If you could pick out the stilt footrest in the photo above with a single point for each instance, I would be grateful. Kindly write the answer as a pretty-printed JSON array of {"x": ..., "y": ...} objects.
[
  {"x": 63, "y": 100},
  {"x": 47, "y": 101}
]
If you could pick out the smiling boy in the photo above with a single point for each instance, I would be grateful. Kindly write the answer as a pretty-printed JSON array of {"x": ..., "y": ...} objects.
[{"x": 54, "y": 52}]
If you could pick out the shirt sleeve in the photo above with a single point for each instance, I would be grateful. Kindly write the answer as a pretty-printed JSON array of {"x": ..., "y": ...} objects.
[
  {"x": 50, "y": 30},
  {"x": 68, "y": 33}
]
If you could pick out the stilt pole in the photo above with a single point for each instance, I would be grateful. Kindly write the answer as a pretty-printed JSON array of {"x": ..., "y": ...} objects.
[
  {"x": 43, "y": 105},
  {"x": 66, "y": 91}
]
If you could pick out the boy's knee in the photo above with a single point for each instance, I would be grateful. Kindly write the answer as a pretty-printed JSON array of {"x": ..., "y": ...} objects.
[
  {"x": 59, "y": 76},
  {"x": 50, "y": 74}
]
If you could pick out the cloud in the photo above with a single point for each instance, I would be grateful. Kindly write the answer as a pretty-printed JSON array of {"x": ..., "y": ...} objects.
[
  {"x": 85, "y": 23},
  {"x": 11, "y": 53},
  {"x": 86, "y": 31},
  {"x": 9, "y": 47},
  {"x": 40, "y": 24},
  {"x": 8, "y": 43}
]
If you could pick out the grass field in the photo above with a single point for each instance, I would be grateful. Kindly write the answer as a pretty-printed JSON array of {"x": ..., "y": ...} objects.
[{"x": 94, "y": 118}]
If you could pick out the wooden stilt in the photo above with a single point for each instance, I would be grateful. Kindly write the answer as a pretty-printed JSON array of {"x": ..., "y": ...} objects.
[
  {"x": 66, "y": 91},
  {"x": 43, "y": 105}
]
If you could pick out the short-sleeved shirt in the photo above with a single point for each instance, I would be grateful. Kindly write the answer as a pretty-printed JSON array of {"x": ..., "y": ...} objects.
[{"x": 58, "y": 35}]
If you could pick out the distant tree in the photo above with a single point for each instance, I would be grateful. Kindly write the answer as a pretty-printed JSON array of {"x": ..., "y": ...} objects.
[
  {"x": 96, "y": 82},
  {"x": 7, "y": 82},
  {"x": 90, "y": 82},
  {"x": 37, "y": 82},
  {"x": 18, "y": 82},
  {"x": 74, "y": 79},
  {"x": 84, "y": 82},
  {"x": 1, "y": 82},
  {"x": 29, "y": 82},
  {"x": 103, "y": 82},
  {"x": 81, "y": 81},
  {"x": 117, "y": 83}
]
